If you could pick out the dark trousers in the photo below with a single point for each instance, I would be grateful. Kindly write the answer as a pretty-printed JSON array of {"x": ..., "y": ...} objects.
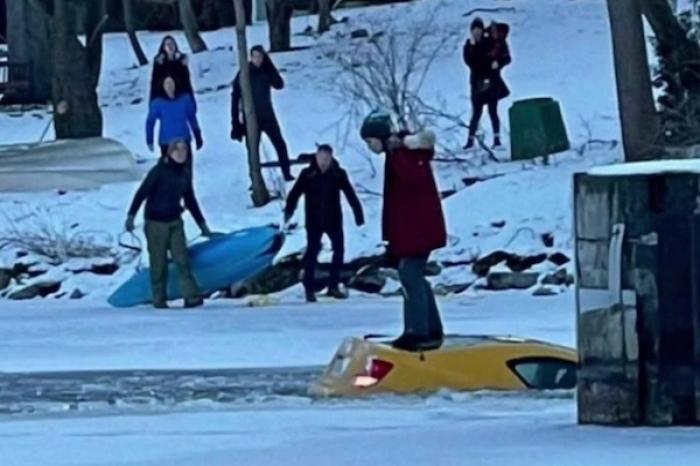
[
  {"x": 188, "y": 164},
  {"x": 313, "y": 249},
  {"x": 163, "y": 237},
  {"x": 478, "y": 110},
  {"x": 420, "y": 312},
  {"x": 272, "y": 129}
]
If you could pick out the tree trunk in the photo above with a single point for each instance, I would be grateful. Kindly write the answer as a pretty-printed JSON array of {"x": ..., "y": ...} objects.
[
  {"x": 131, "y": 32},
  {"x": 324, "y": 16},
  {"x": 640, "y": 129},
  {"x": 76, "y": 112},
  {"x": 260, "y": 194},
  {"x": 29, "y": 41},
  {"x": 189, "y": 24},
  {"x": 279, "y": 18},
  {"x": 95, "y": 21}
]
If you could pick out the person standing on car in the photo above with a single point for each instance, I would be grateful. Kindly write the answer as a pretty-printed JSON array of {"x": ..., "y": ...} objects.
[
  {"x": 177, "y": 118},
  {"x": 170, "y": 62},
  {"x": 486, "y": 53},
  {"x": 165, "y": 188},
  {"x": 321, "y": 184},
  {"x": 264, "y": 77},
  {"x": 413, "y": 222}
]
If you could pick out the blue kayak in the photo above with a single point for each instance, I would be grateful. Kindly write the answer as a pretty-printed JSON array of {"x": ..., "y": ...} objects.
[{"x": 216, "y": 264}]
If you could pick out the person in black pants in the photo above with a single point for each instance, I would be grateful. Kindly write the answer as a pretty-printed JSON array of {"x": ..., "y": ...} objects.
[
  {"x": 170, "y": 62},
  {"x": 486, "y": 54},
  {"x": 322, "y": 183},
  {"x": 264, "y": 77}
]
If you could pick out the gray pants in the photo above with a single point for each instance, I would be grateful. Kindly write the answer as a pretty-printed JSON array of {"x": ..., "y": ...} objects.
[
  {"x": 420, "y": 312},
  {"x": 163, "y": 237}
]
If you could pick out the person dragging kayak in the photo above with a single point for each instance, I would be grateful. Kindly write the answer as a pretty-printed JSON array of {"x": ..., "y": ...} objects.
[
  {"x": 321, "y": 183},
  {"x": 166, "y": 186},
  {"x": 413, "y": 223}
]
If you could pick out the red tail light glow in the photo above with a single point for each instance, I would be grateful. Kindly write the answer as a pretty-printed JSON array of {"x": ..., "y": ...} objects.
[{"x": 375, "y": 372}]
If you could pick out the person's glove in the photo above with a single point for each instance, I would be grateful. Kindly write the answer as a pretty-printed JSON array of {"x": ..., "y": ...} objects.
[
  {"x": 206, "y": 232},
  {"x": 129, "y": 224},
  {"x": 198, "y": 139}
]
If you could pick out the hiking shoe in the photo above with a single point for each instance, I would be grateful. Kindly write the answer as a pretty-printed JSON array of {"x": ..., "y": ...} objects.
[
  {"x": 497, "y": 142},
  {"x": 469, "y": 144},
  {"x": 337, "y": 293},
  {"x": 289, "y": 177},
  {"x": 311, "y": 297},
  {"x": 194, "y": 302}
]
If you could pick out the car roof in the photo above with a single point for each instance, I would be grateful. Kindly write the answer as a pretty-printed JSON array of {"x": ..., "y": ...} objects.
[{"x": 466, "y": 341}]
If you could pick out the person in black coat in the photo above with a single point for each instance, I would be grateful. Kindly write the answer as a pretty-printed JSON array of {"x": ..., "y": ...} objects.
[
  {"x": 486, "y": 54},
  {"x": 264, "y": 77},
  {"x": 321, "y": 183},
  {"x": 165, "y": 188},
  {"x": 170, "y": 62}
]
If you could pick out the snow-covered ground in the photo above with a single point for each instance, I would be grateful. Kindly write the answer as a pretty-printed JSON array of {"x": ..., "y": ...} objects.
[{"x": 561, "y": 48}]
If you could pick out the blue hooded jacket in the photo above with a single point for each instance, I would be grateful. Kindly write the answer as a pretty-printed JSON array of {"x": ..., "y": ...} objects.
[{"x": 177, "y": 117}]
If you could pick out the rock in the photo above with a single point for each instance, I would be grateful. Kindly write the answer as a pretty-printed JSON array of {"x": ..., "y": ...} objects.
[
  {"x": 499, "y": 281},
  {"x": 559, "y": 278},
  {"x": 77, "y": 294},
  {"x": 30, "y": 270},
  {"x": 369, "y": 280},
  {"x": 447, "y": 193},
  {"x": 107, "y": 268},
  {"x": 548, "y": 239},
  {"x": 482, "y": 265},
  {"x": 559, "y": 259},
  {"x": 21, "y": 254},
  {"x": 359, "y": 34},
  {"x": 5, "y": 278},
  {"x": 41, "y": 289},
  {"x": 545, "y": 291},
  {"x": 457, "y": 288},
  {"x": 433, "y": 269},
  {"x": 518, "y": 263},
  {"x": 498, "y": 224}
]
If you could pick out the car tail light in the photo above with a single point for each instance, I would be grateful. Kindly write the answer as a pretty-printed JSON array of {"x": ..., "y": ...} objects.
[{"x": 375, "y": 372}]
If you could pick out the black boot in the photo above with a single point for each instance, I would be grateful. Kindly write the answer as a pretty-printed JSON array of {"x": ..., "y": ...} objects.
[
  {"x": 191, "y": 303},
  {"x": 336, "y": 293},
  {"x": 469, "y": 144},
  {"x": 289, "y": 177},
  {"x": 497, "y": 142},
  {"x": 310, "y": 296}
]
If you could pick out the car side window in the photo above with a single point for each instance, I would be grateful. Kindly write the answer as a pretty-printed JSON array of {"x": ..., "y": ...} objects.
[{"x": 545, "y": 373}]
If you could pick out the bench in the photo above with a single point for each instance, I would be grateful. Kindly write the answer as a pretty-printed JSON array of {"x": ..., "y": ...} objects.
[{"x": 14, "y": 77}]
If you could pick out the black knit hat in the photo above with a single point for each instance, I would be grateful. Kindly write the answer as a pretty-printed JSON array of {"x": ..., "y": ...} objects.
[
  {"x": 377, "y": 125},
  {"x": 258, "y": 48},
  {"x": 478, "y": 23}
]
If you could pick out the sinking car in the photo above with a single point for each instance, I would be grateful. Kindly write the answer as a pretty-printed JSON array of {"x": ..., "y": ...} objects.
[{"x": 370, "y": 365}]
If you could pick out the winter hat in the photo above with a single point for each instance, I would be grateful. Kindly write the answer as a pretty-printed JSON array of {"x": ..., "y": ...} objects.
[
  {"x": 258, "y": 48},
  {"x": 377, "y": 125},
  {"x": 478, "y": 23}
]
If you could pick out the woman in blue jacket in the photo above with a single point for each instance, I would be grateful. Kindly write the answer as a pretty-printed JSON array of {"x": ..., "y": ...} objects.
[{"x": 178, "y": 120}]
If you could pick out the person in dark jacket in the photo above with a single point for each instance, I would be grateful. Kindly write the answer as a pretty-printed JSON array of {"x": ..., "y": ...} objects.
[
  {"x": 413, "y": 223},
  {"x": 178, "y": 120},
  {"x": 264, "y": 77},
  {"x": 321, "y": 183},
  {"x": 170, "y": 62},
  {"x": 166, "y": 186},
  {"x": 486, "y": 53}
]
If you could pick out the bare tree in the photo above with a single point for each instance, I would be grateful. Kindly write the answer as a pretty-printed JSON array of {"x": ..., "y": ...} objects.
[
  {"x": 189, "y": 24},
  {"x": 325, "y": 19},
  {"x": 128, "y": 10},
  {"x": 635, "y": 100},
  {"x": 76, "y": 69},
  {"x": 390, "y": 70},
  {"x": 279, "y": 18},
  {"x": 260, "y": 194}
]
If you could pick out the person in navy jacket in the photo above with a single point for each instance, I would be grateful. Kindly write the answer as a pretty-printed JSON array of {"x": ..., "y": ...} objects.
[{"x": 177, "y": 118}]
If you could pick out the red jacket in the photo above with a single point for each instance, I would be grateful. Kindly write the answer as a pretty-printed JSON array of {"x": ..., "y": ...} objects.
[{"x": 413, "y": 223}]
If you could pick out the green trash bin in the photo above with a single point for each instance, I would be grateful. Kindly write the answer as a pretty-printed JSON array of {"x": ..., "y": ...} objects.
[{"x": 536, "y": 129}]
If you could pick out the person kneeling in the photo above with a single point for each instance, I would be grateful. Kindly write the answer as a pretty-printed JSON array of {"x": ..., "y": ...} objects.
[
  {"x": 322, "y": 183},
  {"x": 164, "y": 189}
]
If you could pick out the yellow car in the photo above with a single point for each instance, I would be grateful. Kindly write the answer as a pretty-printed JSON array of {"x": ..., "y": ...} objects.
[{"x": 462, "y": 363}]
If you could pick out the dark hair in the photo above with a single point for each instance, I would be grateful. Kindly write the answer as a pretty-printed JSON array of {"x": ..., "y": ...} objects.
[
  {"x": 174, "y": 145},
  {"x": 161, "y": 49},
  {"x": 478, "y": 23},
  {"x": 258, "y": 48},
  {"x": 325, "y": 148}
]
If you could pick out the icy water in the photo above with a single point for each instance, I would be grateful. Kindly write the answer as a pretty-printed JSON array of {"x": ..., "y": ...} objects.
[{"x": 38, "y": 394}]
